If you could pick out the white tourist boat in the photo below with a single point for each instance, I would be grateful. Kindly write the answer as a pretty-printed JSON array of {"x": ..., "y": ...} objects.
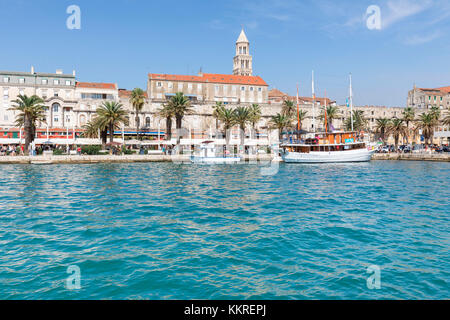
[
  {"x": 208, "y": 154},
  {"x": 328, "y": 148},
  {"x": 335, "y": 147}
]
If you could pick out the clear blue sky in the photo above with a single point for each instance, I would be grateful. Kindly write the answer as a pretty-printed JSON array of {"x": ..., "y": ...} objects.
[{"x": 121, "y": 41}]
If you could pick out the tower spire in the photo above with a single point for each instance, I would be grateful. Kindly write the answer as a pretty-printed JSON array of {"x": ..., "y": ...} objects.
[{"x": 242, "y": 62}]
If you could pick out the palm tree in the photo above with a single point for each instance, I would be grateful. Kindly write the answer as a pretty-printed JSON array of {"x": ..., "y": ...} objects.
[
  {"x": 280, "y": 122},
  {"x": 255, "y": 116},
  {"x": 111, "y": 115},
  {"x": 288, "y": 108},
  {"x": 137, "y": 100},
  {"x": 226, "y": 116},
  {"x": 242, "y": 116},
  {"x": 382, "y": 127},
  {"x": 359, "y": 121},
  {"x": 427, "y": 122},
  {"x": 31, "y": 109},
  {"x": 332, "y": 114},
  {"x": 181, "y": 106},
  {"x": 446, "y": 120},
  {"x": 301, "y": 117},
  {"x": 397, "y": 128},
  {"x": 215, "y": 114},
  {"x": 408, "y": 116},
  {"x": 166, "y": 112},
  {"x": 436, "y": 113}
]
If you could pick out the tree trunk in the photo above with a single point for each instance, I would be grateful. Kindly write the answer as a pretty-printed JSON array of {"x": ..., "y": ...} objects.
[
  {"x": 28, "y": 132},
  {"x": 227, "y": 138},
  {"x": 178, "y": 120},
  {"x": 111, "y": 133},
  {"x": 242, "y": 133},
  {"x": 104, "y": 136},
  {"x": 168, "y": 128},
  {"x": 137, "y": 124}
]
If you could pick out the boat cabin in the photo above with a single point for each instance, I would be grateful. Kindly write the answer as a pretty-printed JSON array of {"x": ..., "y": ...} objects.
[{"x": 326, "y": 142}]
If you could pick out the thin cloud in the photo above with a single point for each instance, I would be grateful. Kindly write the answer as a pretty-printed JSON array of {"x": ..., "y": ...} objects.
[
  {"x": 401, "y": 9},
  {"x": 422, "y": 39}
]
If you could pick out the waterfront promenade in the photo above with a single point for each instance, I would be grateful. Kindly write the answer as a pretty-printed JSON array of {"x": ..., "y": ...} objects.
[{"x": 185, "y": 158}]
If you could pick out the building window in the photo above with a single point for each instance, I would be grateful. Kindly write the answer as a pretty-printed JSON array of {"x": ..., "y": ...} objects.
[
  {"x": 251, "y": 88},
  {"x": 190, "y": 86},
  {"x": 242, "y": 88},
  {"x": 260, "y": 89},
  {"x": 22, "y": 80},
  {"x": 55, "y": 107},
  {"x": 147, "y": 122},
  {"x": 5, "y": 117},
  {"x": 159, "y": 84},
  {"x": 44, "y": 81},
  {"x": 68, "y": 82},
  {"x": 21, "y": 92},
  {"x": 6, "y": 79},
  {"x": 56, "y": 119},
  {"x": 170, "y": 85},
  {"x": 56, "y": 82},
  {"x": 82, "y": 120},
  {"x": 180, "y": 87}
]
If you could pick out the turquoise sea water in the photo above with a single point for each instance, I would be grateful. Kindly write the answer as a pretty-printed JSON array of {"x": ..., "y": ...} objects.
[{"x": 169, "y": 231}]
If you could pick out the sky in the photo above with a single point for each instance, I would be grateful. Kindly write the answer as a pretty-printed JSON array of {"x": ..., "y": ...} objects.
[{"x": 121, "y": 41}]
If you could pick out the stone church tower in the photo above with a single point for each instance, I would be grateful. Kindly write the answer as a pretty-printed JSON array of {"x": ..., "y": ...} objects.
[{"x": 242, "y": 62}]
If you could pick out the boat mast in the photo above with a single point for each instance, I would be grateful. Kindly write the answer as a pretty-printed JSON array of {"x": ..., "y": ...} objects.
[
  {"x": 326, "y": 115},
  {"x": 351, "y": 101},
  {"x": 313, "y": 104},
  {"x": 298, "y": 114}
]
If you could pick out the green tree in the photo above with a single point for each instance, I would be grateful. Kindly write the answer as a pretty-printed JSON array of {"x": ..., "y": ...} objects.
[
  {"x": 226, "y": 116},
  {"x": 288, "y": 108},
  {"x": 167, "y": 113},
  {"x": 382, "y": 127},
  {"x": 255, "y": 116},
  {"x": 280, "y": 122},
  {"x": 242, "y": 116},
  {"x": 137, "y": 100},
  {"x": 397, "y": 128},
  {"x": 332, "y": 114},
  {"x": 181, "y": 106},
  {"x": 436, "y": 113},
  {"x": 215, "y": 114},
  {"x": 408, "y": 116},
  {"x": 111, "y": 115},
  {"x": 359, "y": 121},
  {"x": 427, "y": 122},
  {"x": 31, "y": 109}
]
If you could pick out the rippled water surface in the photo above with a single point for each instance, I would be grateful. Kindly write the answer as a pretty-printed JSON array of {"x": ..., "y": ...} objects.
[{"x": 168, "y": 231}]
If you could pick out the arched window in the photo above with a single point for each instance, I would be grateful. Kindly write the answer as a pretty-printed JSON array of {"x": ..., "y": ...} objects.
[
  {"x": 147, "y": 122},
  {"x": 55, "y": 107},
  {"x": 82, "y": 120}
]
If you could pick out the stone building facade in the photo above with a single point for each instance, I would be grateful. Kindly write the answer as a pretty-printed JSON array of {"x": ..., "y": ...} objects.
[{"x": 421, "y": 98}]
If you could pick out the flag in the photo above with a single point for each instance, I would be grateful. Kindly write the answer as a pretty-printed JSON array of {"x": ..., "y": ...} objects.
[{"x": 348, "y": 103}]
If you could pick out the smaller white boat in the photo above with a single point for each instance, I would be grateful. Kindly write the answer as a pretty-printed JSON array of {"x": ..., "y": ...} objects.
[{"x": 208, "y": 155}]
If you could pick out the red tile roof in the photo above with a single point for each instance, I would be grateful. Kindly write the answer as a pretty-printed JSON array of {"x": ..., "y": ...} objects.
[
  {"x": 123, "y": 93},
  {"x": 276, "y": 95},
  {"x": 96, "y": 85},
  {"x": 211, "y": 78},
  {"x": 445, "y": 89}
]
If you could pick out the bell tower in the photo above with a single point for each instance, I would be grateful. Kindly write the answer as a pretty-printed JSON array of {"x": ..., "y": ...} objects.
[{"x": 242, "y": 62}]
